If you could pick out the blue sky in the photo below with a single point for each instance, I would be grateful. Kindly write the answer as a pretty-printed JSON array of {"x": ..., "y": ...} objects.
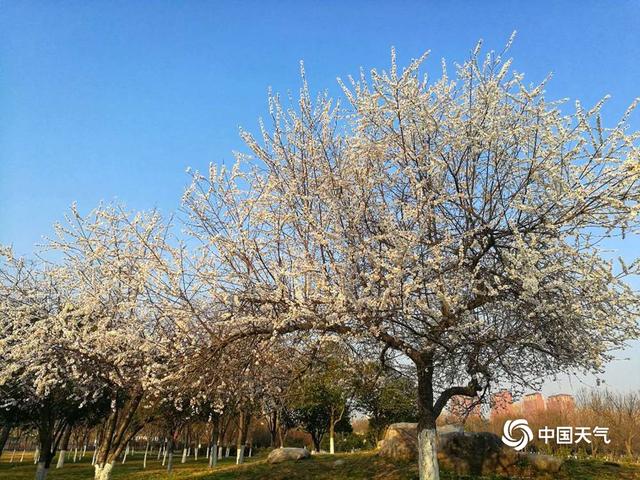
[{"x": 114, "y": 100}]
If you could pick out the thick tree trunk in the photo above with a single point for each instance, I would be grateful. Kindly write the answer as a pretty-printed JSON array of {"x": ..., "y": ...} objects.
[
  {"x": 48, "y": 438},
  {"x": 41, "y": 471},
  {"x": 103, "y": 472},
  {"x": 427, "y": 449},
  {"x": 428, "y": 454},
  {"x": 117, "y": 432}
]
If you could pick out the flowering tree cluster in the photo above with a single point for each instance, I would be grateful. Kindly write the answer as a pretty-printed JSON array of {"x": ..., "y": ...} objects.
[{"x": 448, "y": 227}]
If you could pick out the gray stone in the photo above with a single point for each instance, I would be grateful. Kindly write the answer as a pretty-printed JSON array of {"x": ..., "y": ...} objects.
[{"x": 285, "y": 454}]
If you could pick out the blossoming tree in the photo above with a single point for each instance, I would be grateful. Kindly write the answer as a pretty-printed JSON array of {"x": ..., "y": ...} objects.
[
  {"x": 455, "y": 221},
  {"x": 108, "y": 259}
]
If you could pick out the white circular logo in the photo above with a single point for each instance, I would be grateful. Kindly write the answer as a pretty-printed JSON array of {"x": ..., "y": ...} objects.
[{"x": 511, "y": 426}]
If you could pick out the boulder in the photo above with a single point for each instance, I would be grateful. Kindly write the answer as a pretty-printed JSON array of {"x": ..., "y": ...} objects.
[
  {"x": 466, "y": 453},
  {"x": 285, "y": 454},
  {"x": 400, "y": 442},
  {"x": 544, "y": 463},
  {"x": 476, "y": 453}
]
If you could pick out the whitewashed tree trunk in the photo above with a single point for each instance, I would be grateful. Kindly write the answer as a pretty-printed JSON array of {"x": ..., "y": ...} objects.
[
  {"x": 61, "y": 458},
  {"x": 36, "y": 456},
  {"x": 103, "y": 472},
  {"x": 170, "y": 462},
  {"x": 126, "y": 452},
  {"x": 250, "y": 450},
  {"x": 84, "y": 450},
  {"x": 195, "y": 452},
  {"x": 146, "y": 452},
  {"x": 95, "y": 454},
  {"x": 75, "y": 455},
  {"x": 427, "y": 455},
  {"x": 164, "y": 456},
  {"x": 22, "y": 456},
  {"x": 213, "y": 457},
  {"x": 240, "y": 455},
  {"x": 227, "y": 452},
  {"x": 208, "y": 450},
  {"x": 220, "y": 451},
  {"x": 184, "y": 455},
  {"x": 13, "y": 454},
  {"x": 41, "y": 471}
]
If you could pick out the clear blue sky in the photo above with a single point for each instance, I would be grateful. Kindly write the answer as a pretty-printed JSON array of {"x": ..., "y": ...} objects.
[{"x": 106, "y": 100}]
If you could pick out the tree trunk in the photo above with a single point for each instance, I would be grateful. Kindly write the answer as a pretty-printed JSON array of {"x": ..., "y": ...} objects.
[
  {"x": 126, "y": 452},
  {"x": 118, "y": 431},
  {"x": 427, "y": 449},
  {"x": 332, "y": 429},
  {"x": 243, "y": 427},
  {"x": 65, "y": 447},
  {"x": 146, "y": 452},
  {"x": 41, "y": 471},
  {"x": 213, "y": 451},
  {"x": 4, "y": 436},
  {"x": 316, "y": 442},
  {"x": 103, "y": 472},
  {"x": 170, "y": 460},
  {"x": 273, "y": 428}
]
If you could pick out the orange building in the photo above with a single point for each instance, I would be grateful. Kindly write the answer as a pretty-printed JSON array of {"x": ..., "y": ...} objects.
[
  {"x": 533, "y": 403},
  {"x": 562, "y": 402}
]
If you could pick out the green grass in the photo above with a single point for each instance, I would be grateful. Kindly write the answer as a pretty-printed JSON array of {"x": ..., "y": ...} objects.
[{"x": 358, "y": 466}]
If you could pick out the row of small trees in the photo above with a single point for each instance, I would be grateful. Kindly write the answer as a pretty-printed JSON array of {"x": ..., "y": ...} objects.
[
  {"x": 451, "y": 226},
  {"x": 106, "y": 345}
]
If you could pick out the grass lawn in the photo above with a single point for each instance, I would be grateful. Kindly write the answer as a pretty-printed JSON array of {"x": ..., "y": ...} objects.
[{"x": 360, "y": 466}]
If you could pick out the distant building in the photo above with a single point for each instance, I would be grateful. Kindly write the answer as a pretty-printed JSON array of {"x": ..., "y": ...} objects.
[
  {"x": 502, "y": 403},
  {"x": 533, "y": 403},
  {"x": 562, "y": 402}
]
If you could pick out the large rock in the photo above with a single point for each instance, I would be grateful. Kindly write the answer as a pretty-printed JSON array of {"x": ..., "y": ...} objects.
[
  {"x": 400, "y": 442},
  {"x": 284, "y": 454},
  {"x": 466, "y": 453},
  {"x": 544, "y": 463}
]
